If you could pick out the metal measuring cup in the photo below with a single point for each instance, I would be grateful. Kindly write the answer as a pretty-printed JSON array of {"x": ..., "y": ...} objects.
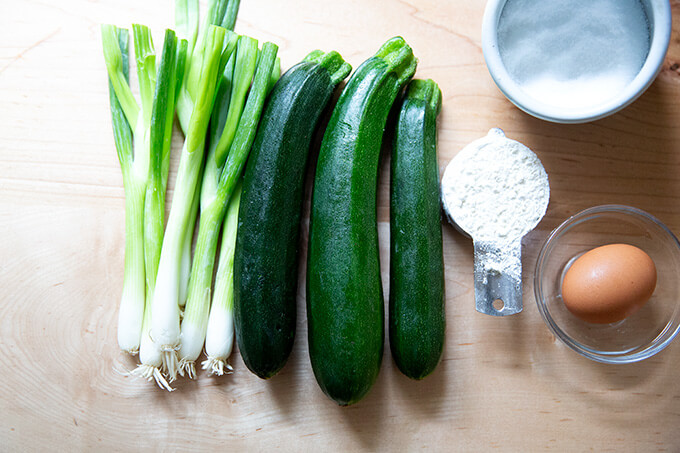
[{"x": 497, "y": 257}]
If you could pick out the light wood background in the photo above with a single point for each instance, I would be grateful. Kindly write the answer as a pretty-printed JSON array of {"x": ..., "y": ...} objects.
[{"x": 503, "y": 384}]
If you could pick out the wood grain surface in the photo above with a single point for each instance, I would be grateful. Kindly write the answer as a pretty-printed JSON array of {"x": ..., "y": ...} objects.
[{"x": 503, "y": 384}]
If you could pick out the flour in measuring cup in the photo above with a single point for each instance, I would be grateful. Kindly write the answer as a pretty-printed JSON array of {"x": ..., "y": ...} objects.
[{"x": 495, "y": 189}]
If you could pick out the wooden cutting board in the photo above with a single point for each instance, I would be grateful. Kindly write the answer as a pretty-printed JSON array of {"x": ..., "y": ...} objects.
[{"x": 503, "y": 384}]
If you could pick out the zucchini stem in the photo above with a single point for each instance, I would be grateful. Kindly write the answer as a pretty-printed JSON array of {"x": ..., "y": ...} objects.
[{"x": 333, "y": 62}]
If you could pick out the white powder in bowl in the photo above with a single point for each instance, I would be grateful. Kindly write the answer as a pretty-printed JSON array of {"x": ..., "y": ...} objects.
[
  {"x": 573, "y": 53},
  {"x": 495, "y": 189}
]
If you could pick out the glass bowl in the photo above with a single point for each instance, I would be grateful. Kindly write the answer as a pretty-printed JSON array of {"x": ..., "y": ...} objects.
[{"x": 644, "y": 333}]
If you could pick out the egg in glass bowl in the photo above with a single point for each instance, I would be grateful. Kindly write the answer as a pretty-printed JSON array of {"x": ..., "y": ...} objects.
[{"x": 647, "y": 323}]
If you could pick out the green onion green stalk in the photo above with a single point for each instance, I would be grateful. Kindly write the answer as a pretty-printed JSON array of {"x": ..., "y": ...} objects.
[
  {"x": 144, "y": 157},
  {"x": 124, "y": 112},
  {"x": 170, "y": 74},
  {"x": 220, "y": 13},
  {"x": 219, "y": 181},
  {"x": 165, "y": 316}
]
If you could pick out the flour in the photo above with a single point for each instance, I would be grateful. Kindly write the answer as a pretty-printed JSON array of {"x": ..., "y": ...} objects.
[
  {"x": 498, "y": 258},
  {"x": 495, "y": 189}
]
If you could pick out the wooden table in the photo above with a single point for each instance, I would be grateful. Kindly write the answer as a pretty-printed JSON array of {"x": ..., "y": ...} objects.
[{"x": 503, "y": 384}]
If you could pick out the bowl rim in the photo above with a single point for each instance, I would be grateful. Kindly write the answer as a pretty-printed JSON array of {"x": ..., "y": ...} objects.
[
  {"x": 659, "y": 16},
  {"x": 650, "y": 350}
]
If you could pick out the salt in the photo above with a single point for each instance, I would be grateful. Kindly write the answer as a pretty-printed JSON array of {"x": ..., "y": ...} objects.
[{"x": 573, "y": 53}]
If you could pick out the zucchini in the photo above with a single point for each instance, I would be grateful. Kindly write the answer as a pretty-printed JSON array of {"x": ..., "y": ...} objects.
[
  {"x": 266, "y": 257},
  {"x": 416, "y": 309},
  {"x": 345, "y": 306}
]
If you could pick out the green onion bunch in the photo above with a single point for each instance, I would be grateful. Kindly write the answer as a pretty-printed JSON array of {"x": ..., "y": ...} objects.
[{"x": 216, "y": 82}]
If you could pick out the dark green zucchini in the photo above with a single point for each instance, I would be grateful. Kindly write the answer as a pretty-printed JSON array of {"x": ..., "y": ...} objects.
[
  {"x": 266, "y": 257},
  {"x": 345, "y": 306},
  {"x": 416, "y": 310}
]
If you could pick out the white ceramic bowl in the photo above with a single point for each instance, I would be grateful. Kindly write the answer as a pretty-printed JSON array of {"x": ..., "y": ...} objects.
[{"x": 659, "y": 19}]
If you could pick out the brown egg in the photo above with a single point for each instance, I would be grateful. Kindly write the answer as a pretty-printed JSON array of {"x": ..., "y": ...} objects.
[{"x": 609, "y": 283}]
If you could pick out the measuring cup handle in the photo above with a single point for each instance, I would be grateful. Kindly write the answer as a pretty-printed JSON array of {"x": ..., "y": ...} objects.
[{"x": 498, "y": 278}]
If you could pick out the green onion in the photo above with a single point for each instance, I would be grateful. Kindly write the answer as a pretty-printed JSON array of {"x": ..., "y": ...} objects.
[
  {"x": 244, "y": 69},
  {"x": 214, "y": 199},
  {"x": 219, "y": 339},
  {"x": 115, "y": 43},
  {"x": 167, "y": 85},
  {"x": 145, "y": 161},
  {"x": 276, "y": 73},
  {"x": 165, "y": 303},
  {"x": 230, "y": 14},
  {"x": 186, "y": 21},
  {"x": 186, "y": 17},
  {"x": 145, "y": 56},
  {"x": 220, "y": 12},
  {"x": 185, "y": 260}
]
